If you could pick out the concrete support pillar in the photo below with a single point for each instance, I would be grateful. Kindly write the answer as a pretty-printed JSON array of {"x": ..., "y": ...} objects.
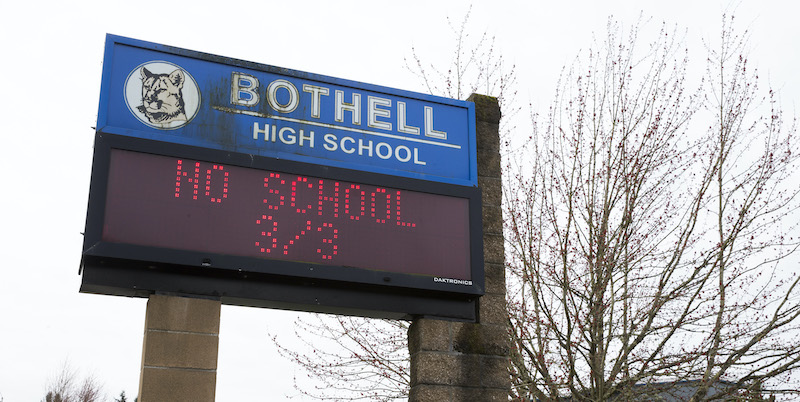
[
  {"x": 453, "y": 361},
  {"x": 179, "y": 356}
]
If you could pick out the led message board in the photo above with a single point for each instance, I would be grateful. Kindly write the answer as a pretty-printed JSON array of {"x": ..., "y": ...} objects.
[{"x": 177, "y": 203}]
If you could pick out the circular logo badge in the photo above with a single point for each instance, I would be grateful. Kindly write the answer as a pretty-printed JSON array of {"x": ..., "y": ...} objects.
[{"x": 162, "y": 95}]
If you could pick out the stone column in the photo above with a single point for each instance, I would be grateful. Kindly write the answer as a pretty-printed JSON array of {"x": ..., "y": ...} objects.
[
  {"x": 454, "y": 361},
  {"x": 179, "y": 356}
]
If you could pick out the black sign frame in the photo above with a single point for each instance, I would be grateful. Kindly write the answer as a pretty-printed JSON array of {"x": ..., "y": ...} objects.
[{"x": 133, "y": 270}]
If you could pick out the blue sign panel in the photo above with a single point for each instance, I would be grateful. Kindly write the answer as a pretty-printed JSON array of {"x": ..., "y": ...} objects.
[{"x": 164, "y": 93}]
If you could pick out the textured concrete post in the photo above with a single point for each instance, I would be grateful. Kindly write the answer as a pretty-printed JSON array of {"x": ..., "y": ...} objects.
[
  {"x": 179, "y": 356},
  {"x": 452, "y": 361}
]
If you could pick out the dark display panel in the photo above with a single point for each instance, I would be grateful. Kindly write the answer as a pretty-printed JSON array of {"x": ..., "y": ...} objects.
[{"x": 184, "y": 204}]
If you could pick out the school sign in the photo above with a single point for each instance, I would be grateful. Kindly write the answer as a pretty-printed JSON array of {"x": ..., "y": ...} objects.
[
  {"x": 158, "y": 92},
  {"x": 267, "y": 186}
]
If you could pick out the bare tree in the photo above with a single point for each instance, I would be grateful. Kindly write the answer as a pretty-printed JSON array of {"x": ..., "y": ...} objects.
[
  {"x": 66, "y": 387},
  {"x": 648, "y": 227},
  {"x": 646, "y": 247},
  {"x": 351, "y": 358},
  {"x": 476, "y": 66}
]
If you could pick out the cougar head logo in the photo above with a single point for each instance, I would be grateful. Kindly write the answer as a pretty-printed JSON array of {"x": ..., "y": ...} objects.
[
  {"x": 162, "y": 95},
  {"x": 162, "y": 100}
]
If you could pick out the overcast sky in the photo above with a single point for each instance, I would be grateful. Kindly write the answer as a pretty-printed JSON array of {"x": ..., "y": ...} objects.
[{"x": 52, "y": 54}]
